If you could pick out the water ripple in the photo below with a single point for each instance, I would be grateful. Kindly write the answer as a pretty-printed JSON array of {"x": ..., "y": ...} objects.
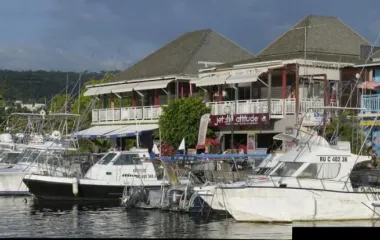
[{"x": 29, "y": 219}]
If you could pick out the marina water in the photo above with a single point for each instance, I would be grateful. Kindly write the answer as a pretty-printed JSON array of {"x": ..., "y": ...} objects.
[{"x": 20, "y": 218}]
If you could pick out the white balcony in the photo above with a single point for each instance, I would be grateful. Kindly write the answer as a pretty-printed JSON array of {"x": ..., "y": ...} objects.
[
  {"x": 109, "y": 115},
  {"x": 279, "y": 107},
  {"x": 370, "y": 104}
]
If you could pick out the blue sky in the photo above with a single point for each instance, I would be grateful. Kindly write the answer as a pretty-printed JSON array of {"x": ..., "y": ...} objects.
[{"x": 113, "y": 34}]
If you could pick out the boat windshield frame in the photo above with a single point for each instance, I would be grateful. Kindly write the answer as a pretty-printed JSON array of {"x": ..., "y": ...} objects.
[
  {"x": 290, "y": 169},
  {"x": 105, "y": 160}
]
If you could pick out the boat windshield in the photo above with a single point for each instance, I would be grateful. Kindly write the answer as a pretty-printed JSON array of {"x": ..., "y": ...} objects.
[
  {"x": 3, "y": 156},
  {"x": 286, "y": 169},
  {"x": 33, "y": 157},
  {"x": 107, "y": 158},
  {"x": 320, "y": 171},
  {"x": 127, "y": 159},
  {"x": 11, "y": 157},
  {"x": 25, "y": 155},
  {"x": 263, "y": 171}
]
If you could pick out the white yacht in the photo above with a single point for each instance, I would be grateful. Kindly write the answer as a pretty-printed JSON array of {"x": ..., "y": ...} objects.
[
  {"x": 104, "y": 181},
  {"x": 310, "y": 182}
]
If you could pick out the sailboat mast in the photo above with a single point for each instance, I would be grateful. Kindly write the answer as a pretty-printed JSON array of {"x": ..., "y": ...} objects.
[
  {"x": 80, "y": 76},
  {"x": 67, "y": 84}
]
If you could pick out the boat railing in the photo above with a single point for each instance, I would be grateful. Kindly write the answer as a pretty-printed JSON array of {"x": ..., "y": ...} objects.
[
  {"x": 301, "y": 183},
  {"x": 366, "y": 178},
  {"x": 224, "y": 176},
  {"x": 59, "y": 169}
]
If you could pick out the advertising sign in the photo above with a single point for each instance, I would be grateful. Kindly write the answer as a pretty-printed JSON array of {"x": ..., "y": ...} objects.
[
  {"x": 203, "y": 125},
  {"x": 239, "y": 119}
]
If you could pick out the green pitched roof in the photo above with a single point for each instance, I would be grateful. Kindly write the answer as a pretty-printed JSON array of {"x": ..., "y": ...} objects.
[
  {"x": 327, "y": 39},
  {"x": 181, "y": 56},
  {"x": 376, "y": 54}
]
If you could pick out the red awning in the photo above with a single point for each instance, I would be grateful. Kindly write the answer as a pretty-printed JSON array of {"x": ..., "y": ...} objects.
[{"x": 369, "y": 85}]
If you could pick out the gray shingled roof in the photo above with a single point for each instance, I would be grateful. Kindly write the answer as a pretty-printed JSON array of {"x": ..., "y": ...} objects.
[
  {"x": 328, "y": 39},
  {"x": 181, "y": 56}
]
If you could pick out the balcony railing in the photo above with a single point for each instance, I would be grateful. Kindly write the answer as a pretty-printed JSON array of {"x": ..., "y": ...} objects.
[
  {"x": 370, "y": 103},
  {"x": 279, "y": 107},
  {"x": 126, "y": 114}
]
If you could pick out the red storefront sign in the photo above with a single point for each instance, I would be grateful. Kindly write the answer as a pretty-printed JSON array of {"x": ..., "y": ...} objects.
[{"x": 239, "y": 119}]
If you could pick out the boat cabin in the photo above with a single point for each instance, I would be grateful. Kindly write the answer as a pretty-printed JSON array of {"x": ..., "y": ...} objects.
[
  {"x": 45, "y": 161},
  {"x": 267, "y": 164},
  {"x": 307, "y": 165},
  {"x": 127, "y": 166},
  {"x": 8, "y": 157}
]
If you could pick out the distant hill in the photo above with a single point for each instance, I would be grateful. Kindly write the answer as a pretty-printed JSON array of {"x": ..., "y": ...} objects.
[{"x": 30, "y": 86}]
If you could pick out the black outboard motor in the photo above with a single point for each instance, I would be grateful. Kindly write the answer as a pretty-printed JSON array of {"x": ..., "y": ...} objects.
[{"x": 137, "y": 195}]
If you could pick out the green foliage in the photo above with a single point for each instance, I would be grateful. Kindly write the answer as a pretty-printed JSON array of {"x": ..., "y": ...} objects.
[
  {"x": 347, "y": 128},
  {"x": 77, "y": 104},
  {"x": 80, "y": 104},
  {"x": 130, "y": 143},
  {"x": 58, "y": 103},
  {"x": 180, "y": 119},
  {"x": 35, "y": 86},
  {"x": 94, "y": 145}
]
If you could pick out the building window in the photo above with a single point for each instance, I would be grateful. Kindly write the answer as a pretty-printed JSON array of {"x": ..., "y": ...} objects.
[{"x": 244, "y": 93}]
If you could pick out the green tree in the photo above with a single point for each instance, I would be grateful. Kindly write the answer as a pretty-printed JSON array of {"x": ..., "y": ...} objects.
[
  {"x": 180, "y": 119},
  {"x": 94, "y": 145},
  {"x": 81, "y": 104},
  {"x": 58, "y": 103},
  {"x": 30, "y": 86},
  {"x": 346, "y": 127}
]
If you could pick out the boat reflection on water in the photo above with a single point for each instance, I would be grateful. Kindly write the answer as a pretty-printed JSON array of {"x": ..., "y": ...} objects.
[{"x": 52, "y": 206}]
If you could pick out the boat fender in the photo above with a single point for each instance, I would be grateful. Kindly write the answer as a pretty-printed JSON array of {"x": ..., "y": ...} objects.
[{"x": 75, "y": 186}]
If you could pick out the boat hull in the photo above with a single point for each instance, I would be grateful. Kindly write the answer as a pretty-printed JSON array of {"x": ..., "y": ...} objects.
[
  {"x": 273, "y": 204},
  {"x": 211, "y": 198},
  {"x": 61, "y": 189},
  {"x": 11, "y": 183},
  {"x": 216, "y": 200}
]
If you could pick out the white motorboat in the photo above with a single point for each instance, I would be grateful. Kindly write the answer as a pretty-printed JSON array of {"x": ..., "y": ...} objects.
[
  {"x": 309, "y": 183},
  {"x": 104, "y": 181},
  {"x": 217, "y": 202}
]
